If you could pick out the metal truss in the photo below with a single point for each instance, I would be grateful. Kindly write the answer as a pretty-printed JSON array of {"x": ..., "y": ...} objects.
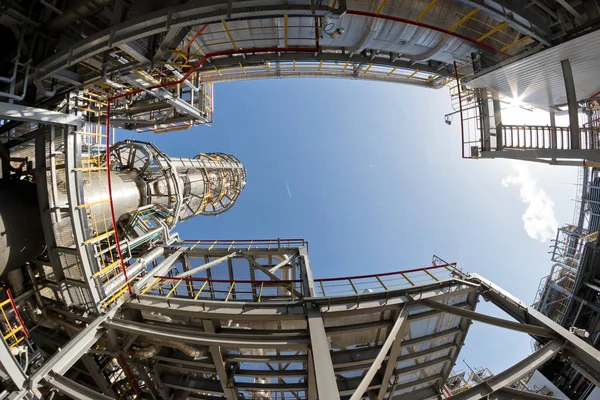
[{"x": 307, "y": 346}]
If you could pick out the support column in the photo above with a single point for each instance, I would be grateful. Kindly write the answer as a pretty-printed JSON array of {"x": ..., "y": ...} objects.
[
  {"x": 307, "y": 277},
  {"x": 572, "y": 103},
  {"x": 484, "y": 115},
  {"x": 498, "y": 120},
  {"x": 215, "y": 352},
  {"x": 321, "y": 356},
  {"x": 553, "y": 137}
]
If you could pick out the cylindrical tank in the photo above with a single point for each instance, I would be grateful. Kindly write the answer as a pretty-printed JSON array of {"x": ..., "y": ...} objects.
[
  {"x": 21, "y": 237},
  {"x": 126, "y": 194}
]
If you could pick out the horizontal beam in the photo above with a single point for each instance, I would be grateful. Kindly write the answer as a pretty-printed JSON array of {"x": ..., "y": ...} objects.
[
  {"x": 502, "y": 323},
  {"x": 194, "y": 336},
  {"x": 163, "y": 20},
  {"x": 16, "y": 112}
]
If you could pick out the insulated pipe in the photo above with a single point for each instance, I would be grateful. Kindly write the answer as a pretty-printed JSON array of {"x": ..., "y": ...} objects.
[{"x": 134, "y": 269}]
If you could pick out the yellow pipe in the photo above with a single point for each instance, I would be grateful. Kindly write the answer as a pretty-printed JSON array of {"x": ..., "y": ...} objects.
[
  {"x": 408, "y": 280},
  {"x": 392, "y": 71},
  {"x": 147, "y": 288},
  {"x": 94, "y": 203},
  {"x": 426, "y": 10},
  {"x": 201, "y": 289},
  {"x": 432, "y": 77},
  {"x": 174, "y": 288},
  {"x": 463, "y": 20},
  {"x": 346, "y": 66},
  {"x": 381, "y": 5},
  {"x": 368, "y": 68},
  {"x": 229, "y": 34},
  {"x": 230, "y": 290},
  {"x": 429, "y": 273},
  {"x": 106, "y": 269},
  {"x": 413, "y": 74},
  {"x": 381, "y": 282},
  {"x": 508, "y": 46},
  {"x": 99, "y": 237},
  {"x": 496, "y": 29}
]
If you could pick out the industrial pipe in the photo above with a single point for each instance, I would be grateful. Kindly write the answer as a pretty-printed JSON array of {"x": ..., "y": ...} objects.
[{"x": 134, "y": 269}]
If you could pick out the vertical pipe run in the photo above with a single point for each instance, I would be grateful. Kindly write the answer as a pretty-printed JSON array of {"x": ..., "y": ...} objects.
[{"x": 572, "y": 103}]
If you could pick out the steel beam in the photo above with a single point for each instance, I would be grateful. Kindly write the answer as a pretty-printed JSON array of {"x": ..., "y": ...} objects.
[
  {"x": 321, "y": 356},
  {"x": 393, "y": 341},
  {"x": 217, "y": 356},
  {"x": 306, "y": 273},
  {"x": 395, "y": 351},
  {"x": 16, "y": 112},
  {"x": 547, "y": 154},
  {"x": 512, "y": 374},
  {"x": 178, "y": 18},
  {"x": 272, "y": 276},
  {"x": 194, "y": 336},
  {"x": 515, "y": 15},
  {"x": 572, "y": 104},
  {"x": 206, "y": 266},
  {"x": 134, "y": 51},
  {"x": 161, "y": 269},
  {"x": 60, "y": 362},
  {"x": 502, "y": 323},
  {"x": 73, "y": 389},
  {"x": 174, "y": 36},
  {"x": 282, "y": 263},
  {"x": 581, "y": 352}
]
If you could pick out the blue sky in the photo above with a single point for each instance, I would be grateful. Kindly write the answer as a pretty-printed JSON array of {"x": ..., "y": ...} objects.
[{"x": 376, "y": 184}]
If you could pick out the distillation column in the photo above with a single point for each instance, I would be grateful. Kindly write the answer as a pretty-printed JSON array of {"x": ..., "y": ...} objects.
[{"x": 150, "y": 192}]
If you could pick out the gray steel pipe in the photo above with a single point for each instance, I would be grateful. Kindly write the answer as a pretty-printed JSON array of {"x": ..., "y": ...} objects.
[{"x": 134, "y": 269}]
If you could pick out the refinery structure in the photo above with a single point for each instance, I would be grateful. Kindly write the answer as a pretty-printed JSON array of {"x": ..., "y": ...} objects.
[{"x": 102, "y": 299}]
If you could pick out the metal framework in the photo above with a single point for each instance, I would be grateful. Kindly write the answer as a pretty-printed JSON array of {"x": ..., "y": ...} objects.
[{"x": 212, "y": 333}]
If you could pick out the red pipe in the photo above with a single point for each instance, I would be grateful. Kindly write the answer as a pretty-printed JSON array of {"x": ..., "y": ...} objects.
[
  {"x": 129, "y": 374},
  {"x": 187, "y": 46},
  {"x": 16, "y": 310},
  {"x": 110, "y": 197},
  {"x": 462, "y": 127},
  {"x": 422, "y": 25}
]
